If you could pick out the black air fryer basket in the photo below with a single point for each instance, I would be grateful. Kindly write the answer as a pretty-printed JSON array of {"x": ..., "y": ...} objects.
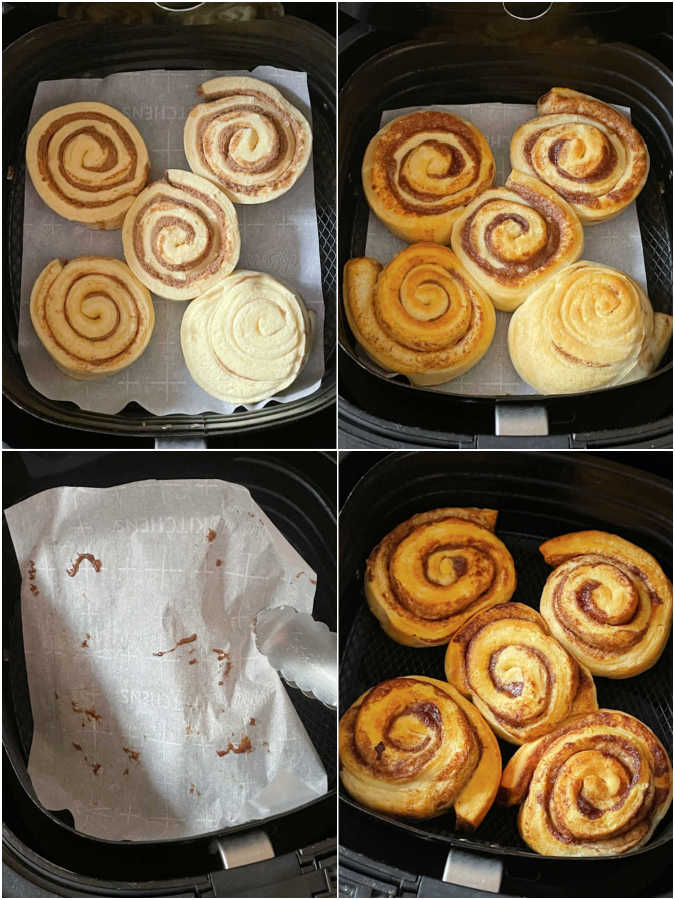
[
  {"x": 297, "y": 491},
  {"x": 538, "y": 496},
  {"x": 85, "y": 50},
  {"x": 389, "y": 412}
]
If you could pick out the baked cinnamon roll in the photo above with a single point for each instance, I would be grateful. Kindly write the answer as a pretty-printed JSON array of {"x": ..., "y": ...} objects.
[
  {"x": 92, "y": 315},
  {"x": 513, "y": 238},
  {"x": 597, "y": 786},
  {"x": 247, "y": 138},
  {"x": 586, "y": 151},
  {"x": 517, "y": 674},
  {"x": 181, "y": 236},
  {"x": 414, "y": 747},
  {"x": 423, "y": 315},
  {"x": 608, "y": 601},
  {"x": 434, "y": 571},
  {"x": 87, "y": 162},
  {"x": 421, "y": 169}
]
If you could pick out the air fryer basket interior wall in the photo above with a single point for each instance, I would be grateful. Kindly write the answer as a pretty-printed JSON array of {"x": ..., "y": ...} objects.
[
  {"x": 82, "y": 49},
  {"x": 297, "y": 491},
  {"x": 538, "y": 496},
  {"x": 426, "y": 73}
]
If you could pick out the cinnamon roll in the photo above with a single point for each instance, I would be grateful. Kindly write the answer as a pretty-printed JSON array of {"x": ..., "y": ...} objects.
[
  {"x": 608, "y": 601},
  {"x": 181, "y": 236},
  {"x": 247, "y": 338},
  {"x": 247, "y": 138},
  {"x": 421, "y": 169},
  {"x": 434, "y": 571},
  {"x": 521, "y": 679},
  {"x": 513, "y": 238},
  {"x": 597, "y": 786},
  {"x": 92, "y": 315},
  {"x": 414, "y": 747},
  {"x": 423, "y": 316},
  {"x": 587, "y": 327},
  {"x": 586, "y": 151},
  {"x": 87, "y": 162}
]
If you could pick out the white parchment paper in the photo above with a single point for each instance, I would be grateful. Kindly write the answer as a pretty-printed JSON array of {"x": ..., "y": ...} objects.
[
  {"x": 136, "y": 745},
  {"x": 279, "y": 237},
  {"x": 616, "y": 243}
]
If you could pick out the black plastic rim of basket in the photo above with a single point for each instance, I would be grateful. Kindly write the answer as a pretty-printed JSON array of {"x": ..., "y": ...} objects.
[
  {"x": 81, "y": 49},
  {"x": 537, "y": 472},
  {"x": 656, "y": 128},
  {"x": 284, "y": 467}
]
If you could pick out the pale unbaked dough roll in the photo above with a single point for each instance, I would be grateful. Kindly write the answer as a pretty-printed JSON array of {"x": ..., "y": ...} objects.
[
  {"x": 586, "y": 151},
  {"x": 92, "y": 315},
  {"x": 247, "y": 138},
  {"x": 587, "y": 327},
  {"x": 421, "y": 169},
  {"x": 87, "y": 162},
  {"x": 247, "y": 338},
  {"x": 181, "y": 236},
  {"x": 512, "y": 238}
]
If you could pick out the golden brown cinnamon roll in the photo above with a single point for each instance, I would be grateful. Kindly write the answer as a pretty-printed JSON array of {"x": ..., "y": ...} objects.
[
  {"x": 87, "y": 162},
  {"x": 597, "y": 786},
  {"x": 586, "y": 151},
  {"x": 521, "y": 679},
  {"x": 587, "y": 327},
  {"x": 434, "y": 571},
  {"x": 513, "y": 238},
  {"x": 423, "y": 316},
  {"x": 92, "y": 315},
  {"x": 247, "y": 138},
  {"x": 414, "y": 747},
  {"x": 421, "y": 169},
  {"x": 181, "y": 236},
  {"x": 607, "y": 601}
]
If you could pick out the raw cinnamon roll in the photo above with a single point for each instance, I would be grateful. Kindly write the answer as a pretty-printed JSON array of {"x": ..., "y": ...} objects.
[
  {"x": 87, "y": 162},
  {"x": 597, "y": 786},
  {"x": 511, "y": 239},
  {"x": 422, "y": 316},
  {"x": 608, "y": 601},
  {"x": 247, "y": 138},
  {"x": 421, "y": 169},
  {"x": 434, "y": 571},
  {"x": 586, "y": 151},
  {"x": 414, "y": 747},
  {"x": 247, "y": 338},
  {"x": 181, "y": 236},
  {"x": 92, "y": 315},
  {"x": 521, "y": 679},
  {"x": 587, "y": 327}
]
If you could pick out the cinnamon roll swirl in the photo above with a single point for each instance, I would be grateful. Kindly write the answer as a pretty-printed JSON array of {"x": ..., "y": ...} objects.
[
  {"x": 421, "y": 169},
  {"x": 521, "y": 679},
  {"x": 422, "y": 316},
  {"x": 511, "y": 239},
  {"x": 586, "y": 151},
  {"x": 247, "y": 338},
  {"x": 181, "y": 236},
  {"x": 87, "y": 162},
  {"x": 92, "y": 315},
  {"x": 608, "y": 601},
  {"x": 434, "y": 571},
  {"x": 597, "y": 786},
  {"x": 247, "y": 138},
  {"x": 587, "y": 327},
  {"x": 414, "y": 747}
]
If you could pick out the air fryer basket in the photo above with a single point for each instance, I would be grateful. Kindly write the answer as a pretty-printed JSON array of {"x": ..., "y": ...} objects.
[
  {"x": 297, "y": 492},
  {"x": 428, "y": 73},
  {"x": 538, "y": 496},
  {"x": 81, "y": 49}
]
